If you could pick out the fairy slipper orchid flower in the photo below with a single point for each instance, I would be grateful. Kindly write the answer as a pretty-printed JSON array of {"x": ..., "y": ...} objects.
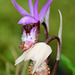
[
  {"x": 38, "y": 54},
  {"x": 31, "y": 22}
]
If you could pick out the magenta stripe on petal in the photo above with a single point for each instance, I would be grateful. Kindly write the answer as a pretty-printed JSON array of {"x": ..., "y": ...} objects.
[
  {"x": 30, "y": 6},
  {"x": 27, "y": 20},
  {"x": 20, "y": 9},
  {"x": 36, "y": 9},
  {"x": 44, "y": 10}
]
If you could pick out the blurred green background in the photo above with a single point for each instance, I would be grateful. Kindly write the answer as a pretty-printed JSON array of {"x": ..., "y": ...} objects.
[{"x": 11, "y": 32}]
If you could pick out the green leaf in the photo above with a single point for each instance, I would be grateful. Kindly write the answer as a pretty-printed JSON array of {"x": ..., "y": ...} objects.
[{"x": 67, "y": 62}]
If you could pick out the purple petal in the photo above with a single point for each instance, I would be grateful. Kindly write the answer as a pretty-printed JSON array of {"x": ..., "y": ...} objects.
[
  {"x": 36, "y": 10},
  {"x": 30, "y": 6},
  {"x": 44, "y": 10},
  {"x": 47, "y": 18},
  {"x": 27, "y": 20},
  {"x": 20, "y": 9}
]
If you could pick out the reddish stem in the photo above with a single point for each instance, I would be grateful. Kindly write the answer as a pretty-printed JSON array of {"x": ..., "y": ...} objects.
[
  {"x": 46, "y": 30},
  {"x": 58, "y": 53}
]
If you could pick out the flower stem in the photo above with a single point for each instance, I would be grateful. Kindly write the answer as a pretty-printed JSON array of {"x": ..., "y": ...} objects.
[
  {"x": 55, "y": 67},
  {"x": 58, "y": 52},
  {"x": 46, "y": 30}
]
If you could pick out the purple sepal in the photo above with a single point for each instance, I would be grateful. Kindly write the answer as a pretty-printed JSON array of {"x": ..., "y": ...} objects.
[
  {"x": 30, "y": 6},
  {"x": 44, "y": 10},
  {"x": 36, "y": 15},
  {"x": 20, "y": 9}
]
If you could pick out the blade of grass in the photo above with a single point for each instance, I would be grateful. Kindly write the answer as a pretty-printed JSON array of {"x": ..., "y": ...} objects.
[
  {"x": 7, "y": 69},
  {"x": 13, "y": 51},
  {"x": 24, "y": 68},
  {"x": 17, "y": 70}
]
